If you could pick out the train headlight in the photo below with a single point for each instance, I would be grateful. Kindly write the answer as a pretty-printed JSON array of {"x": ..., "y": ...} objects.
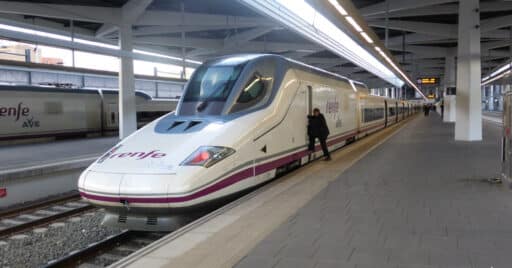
[{"x": 207, "y": 156}]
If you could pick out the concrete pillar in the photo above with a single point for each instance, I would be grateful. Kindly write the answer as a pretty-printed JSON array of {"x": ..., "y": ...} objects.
[
  {"x": 127, "y": 108},
  {"x": 468, "y": 123},
  {"x": 449, "y": 86}
]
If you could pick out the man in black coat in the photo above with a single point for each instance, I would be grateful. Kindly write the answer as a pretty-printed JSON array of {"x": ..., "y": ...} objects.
[{"x": 317, "y": 128}]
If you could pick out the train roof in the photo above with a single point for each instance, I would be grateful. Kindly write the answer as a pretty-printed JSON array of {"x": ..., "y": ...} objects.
[
  {"x": 32, "y": 88},
  {"x": 244, "y": 58}
]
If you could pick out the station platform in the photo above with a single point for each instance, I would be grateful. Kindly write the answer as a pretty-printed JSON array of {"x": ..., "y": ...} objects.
[
  {"x": 31, "y": 172},
  {"x": 496, "y": 117},
  {"x": 408, "y": 196},
  {"x": 29, "y": 155}
]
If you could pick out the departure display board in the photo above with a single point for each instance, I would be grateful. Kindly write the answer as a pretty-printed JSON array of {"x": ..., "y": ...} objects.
[{"x": 428, "y": 81}]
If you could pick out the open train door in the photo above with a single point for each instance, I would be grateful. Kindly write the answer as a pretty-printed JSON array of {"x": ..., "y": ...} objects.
[
  {"x": 385, "y": 113},
  {"x": 309, "y": 109},
  {"x": 397, "y": 113},
  {"x": 112, "y": 116},
  {"x": 310, "y": 100}
]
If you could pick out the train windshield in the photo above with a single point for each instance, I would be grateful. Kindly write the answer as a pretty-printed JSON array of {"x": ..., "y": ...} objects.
[
  {"x": 212, "y": 83},
  {"x": 209, "y": 89}
]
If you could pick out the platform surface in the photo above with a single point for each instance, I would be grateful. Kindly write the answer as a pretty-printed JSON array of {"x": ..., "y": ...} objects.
[
  {"x": 418, "y": 200},
  {"x": 28, "y": 155},
  {"x": 496, "y": 117}
]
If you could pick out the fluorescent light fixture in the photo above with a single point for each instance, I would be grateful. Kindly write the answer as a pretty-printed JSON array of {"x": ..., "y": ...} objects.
[
  {"x": 34, "y": 32},
  {"x": 338, "y": 7},
  {"x": 390, "y": 61},
  {"x": 502, "y": 69},
  {"x": 298, "y": 15},
  {"x": 366, "y": 37},
  {"x": 97, "y": 44},
  {"x": 354, "y": 23},
  {"x": 83, "y": 41},
  {"x": 499, "y": 73},
  {"x": 496, "y": 78}
]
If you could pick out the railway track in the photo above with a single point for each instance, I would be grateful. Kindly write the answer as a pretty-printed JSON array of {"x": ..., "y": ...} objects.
[
  {"x": 25, "y": 218},
  {"x": 108, "y": 250}
]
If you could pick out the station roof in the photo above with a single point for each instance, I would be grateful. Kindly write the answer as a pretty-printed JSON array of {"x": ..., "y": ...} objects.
[
  {"x": 219, "y": 27},
  {"x": 430, "y": 31}
]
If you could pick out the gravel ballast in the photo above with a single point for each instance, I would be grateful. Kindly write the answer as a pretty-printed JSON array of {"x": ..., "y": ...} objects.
[{"x": 38, "y": 247}]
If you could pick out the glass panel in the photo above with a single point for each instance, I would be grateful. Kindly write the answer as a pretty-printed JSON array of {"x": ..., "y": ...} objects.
[
  {"x": 212, "y": 83},
  {"x": 254, "y": 89}
]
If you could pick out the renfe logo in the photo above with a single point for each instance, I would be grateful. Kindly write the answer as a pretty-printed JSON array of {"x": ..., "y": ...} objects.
[
  {"x": 15, "y": 112},
  {"x": 139, "y": 155}
]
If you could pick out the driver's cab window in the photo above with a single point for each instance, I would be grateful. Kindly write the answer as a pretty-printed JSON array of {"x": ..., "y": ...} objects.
[{"x": 252, "y": 93}]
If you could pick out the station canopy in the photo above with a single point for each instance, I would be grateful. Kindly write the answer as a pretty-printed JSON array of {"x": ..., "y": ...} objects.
[{"x": 420, "y": 33}]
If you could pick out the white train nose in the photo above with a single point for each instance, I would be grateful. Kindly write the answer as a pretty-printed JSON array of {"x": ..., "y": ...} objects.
[
  {"x": 99, "y": 183},
  {"x": 136, "y": 190}
]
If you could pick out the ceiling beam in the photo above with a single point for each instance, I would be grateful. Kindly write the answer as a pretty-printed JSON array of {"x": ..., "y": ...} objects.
[
  {"x": 430, "y": 51},
  {"x": 241, "y": 38},
  {"x": 447, "y": 9},
  {"x": 495, "y": 23},
  {"x": 170, "y": 18},
  {"x": 496, "y": 44},
  {"x": 41, "y": 24},
  {"x": 422, "y": 11},
  {"x": 218, "y": 44},
  {"x": 415, "y": 38},
  {"x": 130, "y": 12},
  {"x": 158, "y": 30},
  {"x": 234, "y": 42},
  {"x": 70, "y": 12},
  {"x": 396, "y": 5},
  {"x": 428, "y": 28}
]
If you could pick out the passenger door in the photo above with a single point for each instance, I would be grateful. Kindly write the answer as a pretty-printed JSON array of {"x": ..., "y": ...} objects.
[
  {"x": 385, "y": 113},
  {"x": 309, "y": 109},
  {"x": 112, "y": 116}
]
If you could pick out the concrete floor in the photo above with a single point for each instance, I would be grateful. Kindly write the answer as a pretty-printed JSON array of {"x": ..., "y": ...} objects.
[{"x": 418, "y": 200}]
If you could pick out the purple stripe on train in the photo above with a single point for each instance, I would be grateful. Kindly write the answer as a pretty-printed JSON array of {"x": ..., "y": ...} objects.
[{"x": 230, "y": 180}]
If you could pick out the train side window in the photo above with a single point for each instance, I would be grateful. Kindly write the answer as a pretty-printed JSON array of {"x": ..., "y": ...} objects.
[
  {"x": 372, "y": 114},
  {"x": 253, "y": 90},
  {"x": 252, "y": 93}
]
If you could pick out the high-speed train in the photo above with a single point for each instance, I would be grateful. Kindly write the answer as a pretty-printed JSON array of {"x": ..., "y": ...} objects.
[
  {"x": 36, "y": 112},
  {"x": 241, "y": 121}
]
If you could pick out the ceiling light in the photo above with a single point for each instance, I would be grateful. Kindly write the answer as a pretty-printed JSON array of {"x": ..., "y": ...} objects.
[
  {"x": 305, "y": 20},
  {"x": 86, "y": 42},
  {"x": 354, "y": 23},
  {"x": 496, "y": 78},
  {"x": 366, "y": 37},
  {"x": 338, "y": 7}
]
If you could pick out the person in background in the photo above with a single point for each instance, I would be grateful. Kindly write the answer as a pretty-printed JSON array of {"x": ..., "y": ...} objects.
[
  {"x": 442, "y": 109},
  {"x": 426, "y": 109},
  {"x": 317, "y": 128}
]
